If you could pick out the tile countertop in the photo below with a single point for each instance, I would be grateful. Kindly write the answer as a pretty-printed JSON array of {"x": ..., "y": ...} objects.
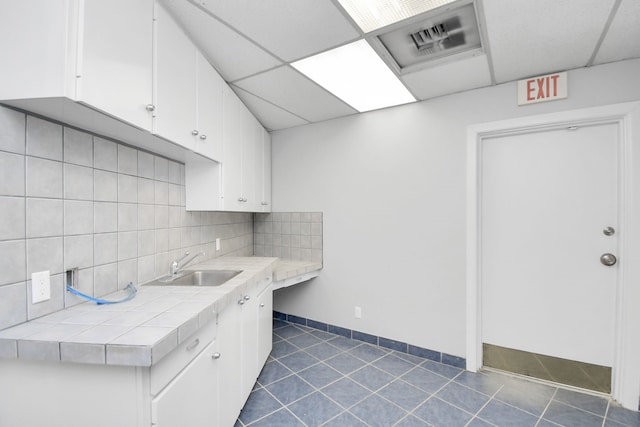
[
  {"x": 287, "y": 268},
  {"x": 139, "y": 332}
]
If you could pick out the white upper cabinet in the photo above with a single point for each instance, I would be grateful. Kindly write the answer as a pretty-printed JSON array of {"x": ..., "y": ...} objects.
[
  {"x": 38, "y": 48},
  {"x": 243, "y": 147},
  {"x": 83, "y": 50},
  {"x": 187, "y": 91},
  {"x": 242, "y": 182},
  {"x": 263, "y": 172},
  {"x": 232, "y": 135},
  {"x": 174, "y": 82},
  {"x": 209, "y": 89},
  {"x": 126, "y": 70},
  {"x": 115, "y": 58}
]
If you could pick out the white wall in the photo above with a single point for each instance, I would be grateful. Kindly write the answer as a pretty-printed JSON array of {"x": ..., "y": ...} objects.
[{"x": 391, "y": 184}]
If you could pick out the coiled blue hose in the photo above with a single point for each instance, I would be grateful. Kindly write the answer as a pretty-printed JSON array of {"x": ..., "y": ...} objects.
[{"x": 100, "y": 301}]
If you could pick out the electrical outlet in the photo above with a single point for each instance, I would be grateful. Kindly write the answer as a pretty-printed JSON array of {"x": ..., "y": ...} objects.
[
  {"x": 217, "y": 244},
  {"x": 40, "y": 287},
  {"x": 357, "y": 312}
]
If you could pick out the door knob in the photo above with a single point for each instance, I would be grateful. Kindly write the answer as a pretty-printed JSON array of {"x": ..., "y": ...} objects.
[
  {"x": 609, "y": 231},
  {"x": 608, "y": 259}
]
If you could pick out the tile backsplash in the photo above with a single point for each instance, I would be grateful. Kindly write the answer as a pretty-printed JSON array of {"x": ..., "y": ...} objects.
[
  {"x": 72, "y": 199},
  {"x": 289, "y": 235}
]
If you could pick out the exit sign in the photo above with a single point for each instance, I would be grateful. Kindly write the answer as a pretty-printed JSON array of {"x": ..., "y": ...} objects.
[{"x": 543, "y": 88}]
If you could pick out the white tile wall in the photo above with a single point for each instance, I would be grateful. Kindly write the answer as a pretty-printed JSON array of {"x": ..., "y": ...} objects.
[
  {"x": 289, "y": 235},
  {"x": 72, "y": 199}
]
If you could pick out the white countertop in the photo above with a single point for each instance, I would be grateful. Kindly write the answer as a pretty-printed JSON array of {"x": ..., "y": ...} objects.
[
  {"x": 139, "y": 332},
  {"x": 287, "y": 268}
]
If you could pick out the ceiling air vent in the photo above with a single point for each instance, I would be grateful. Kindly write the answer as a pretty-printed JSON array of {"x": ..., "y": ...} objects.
[{"x": 431, "y": 38}]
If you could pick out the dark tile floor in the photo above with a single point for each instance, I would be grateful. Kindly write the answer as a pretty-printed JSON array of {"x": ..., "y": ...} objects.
[{"x": 313, "y": 378}]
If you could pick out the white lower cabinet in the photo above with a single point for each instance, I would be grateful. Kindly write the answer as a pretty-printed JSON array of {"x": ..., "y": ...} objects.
[
  {"x": 240, "y": 327},
  {"x": 249, "y": 336},
  {"x": 265, "y": 326},
  {"x": 229, "y": 329},
  {"x": 204, "y": 382},
  {"x": 191, "y": 399}
]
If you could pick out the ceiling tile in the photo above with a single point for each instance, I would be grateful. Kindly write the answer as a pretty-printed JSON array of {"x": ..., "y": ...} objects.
[
  {"x": 537, "y": 37},
  {"x": 623, "y": 38},
  {"x": 449, "y": 77},
  {"x": 290, "y": 29},
  {"x": 231, "y": 54},
  {"x": 271, "y": 116},
  {"x": 295, "y": 93}
]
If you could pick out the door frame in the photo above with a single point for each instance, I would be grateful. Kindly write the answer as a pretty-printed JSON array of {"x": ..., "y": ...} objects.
[{"x": 626, "y": 364}]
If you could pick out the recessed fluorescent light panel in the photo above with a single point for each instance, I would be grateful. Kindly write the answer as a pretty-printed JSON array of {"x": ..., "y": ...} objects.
[
  {"x": 357, "y": 75},
  {"x": 373, "y": 14}
]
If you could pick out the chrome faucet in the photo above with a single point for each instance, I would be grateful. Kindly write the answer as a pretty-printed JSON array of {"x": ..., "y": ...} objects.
[{"x": 181, "y": 263}]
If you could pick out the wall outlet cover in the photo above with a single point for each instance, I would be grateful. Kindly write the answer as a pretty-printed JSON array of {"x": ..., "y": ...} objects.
[
  {"x": 40, "y": 287},
  {"x": 357, "y": 312}
]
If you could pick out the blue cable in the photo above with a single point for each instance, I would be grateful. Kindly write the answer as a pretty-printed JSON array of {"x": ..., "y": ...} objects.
[{"x": 99, "y": 301}]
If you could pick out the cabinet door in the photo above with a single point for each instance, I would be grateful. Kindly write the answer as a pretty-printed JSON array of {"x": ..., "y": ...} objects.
[
  {"x": 249, "y": 345},
  {"x": 230, "y": 348},
  {"x": 115, "y": 59},
  {"x": 35, "y": 39},
  {"x": 174, "y": 82},
  {"x": 232, "y": 147},
  {"x": 191, "y": 399},
  {"x": 210, "y": 84},
  {"x": 265, "y": 175},
  {"x": 265, "y": 325},
  {"x": 251, "y": 129}
]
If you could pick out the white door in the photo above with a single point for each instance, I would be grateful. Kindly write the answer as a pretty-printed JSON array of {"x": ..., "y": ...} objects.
[{"x": 547, "y": 196}]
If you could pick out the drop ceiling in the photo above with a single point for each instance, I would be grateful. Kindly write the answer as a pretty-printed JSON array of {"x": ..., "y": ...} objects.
[{"x": 252, "y": 44}]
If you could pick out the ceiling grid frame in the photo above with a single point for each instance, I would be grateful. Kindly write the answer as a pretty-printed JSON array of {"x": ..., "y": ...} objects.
[{"x": 466, "y": 74}]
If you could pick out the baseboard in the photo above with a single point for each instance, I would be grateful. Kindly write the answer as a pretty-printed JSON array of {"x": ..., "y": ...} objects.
[{"x": 391, "y": 344}]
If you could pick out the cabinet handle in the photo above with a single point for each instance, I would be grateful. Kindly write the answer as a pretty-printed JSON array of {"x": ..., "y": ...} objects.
[
  {"x": 247, "y": 297},
  {"x": 194, "y": 345},
  {"x": 194, "y": 132},
  {"x": 240, "y": 199},
  {"x": 241, "y": 302},
  {"x": 216, "y": 356},
  {"x": 203, "y": 137},
  {"x": 150, "y": 107},
  {"x": 262, "y": 305}
]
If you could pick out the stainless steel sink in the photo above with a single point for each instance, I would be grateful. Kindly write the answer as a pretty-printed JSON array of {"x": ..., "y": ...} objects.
[{"x": 197, "y": 278}]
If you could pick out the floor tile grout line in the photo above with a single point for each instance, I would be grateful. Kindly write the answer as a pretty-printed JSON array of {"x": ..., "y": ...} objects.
[
  {"x": 581, "y": 409},
  {"x": 544, "y": 411},
  {"x": 433, "y": 395},
  {"x": 387, "y": 352},
  {"x": 395, "y": 377},
  {"x": 492, "y": 397},
  {"x": 282, "y": 406},
  {"x": 347, "y": 376},
  {"x": 316, "y": 389},
  {"x": 606, "y": 413}
]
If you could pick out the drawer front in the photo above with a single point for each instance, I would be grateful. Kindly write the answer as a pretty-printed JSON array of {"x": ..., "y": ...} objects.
[{"x": 178, "y": 359}]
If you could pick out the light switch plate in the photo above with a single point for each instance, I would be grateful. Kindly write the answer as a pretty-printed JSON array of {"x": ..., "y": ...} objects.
[
  {"x": 40, "y": 286},
  {"x": 217, "y": 244}
]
